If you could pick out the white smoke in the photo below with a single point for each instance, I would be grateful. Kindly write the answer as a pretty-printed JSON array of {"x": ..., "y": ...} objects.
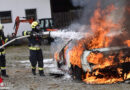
[
  {"x": 80, "y": 3},
  {"x": 83, "y": 24},
  {"x": 90, "y": 5}
]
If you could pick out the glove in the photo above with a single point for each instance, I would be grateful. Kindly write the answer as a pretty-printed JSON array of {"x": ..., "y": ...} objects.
[
  {"x": 24, "y": 33},
  {"x": 33, "y": 34}
]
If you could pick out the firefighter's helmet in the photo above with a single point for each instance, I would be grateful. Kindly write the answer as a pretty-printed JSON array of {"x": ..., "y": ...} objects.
[
  {"x": 1, "y": 27},
  {"x": 34, "y": 24}
]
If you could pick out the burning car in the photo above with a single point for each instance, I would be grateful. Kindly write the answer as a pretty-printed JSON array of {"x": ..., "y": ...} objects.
[
  {"x": 97, "y": 66},
  {"x": 101, "y": 57}
]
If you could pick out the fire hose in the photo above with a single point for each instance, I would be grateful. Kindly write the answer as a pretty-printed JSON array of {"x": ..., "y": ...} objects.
[
  {"x": 54, "y": 34},
  {"x": 13, "y": 40},
  {"x": 21, "y": 37}
]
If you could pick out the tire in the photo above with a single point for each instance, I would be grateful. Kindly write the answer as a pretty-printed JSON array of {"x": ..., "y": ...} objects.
[{"x": 77, "y": 73}]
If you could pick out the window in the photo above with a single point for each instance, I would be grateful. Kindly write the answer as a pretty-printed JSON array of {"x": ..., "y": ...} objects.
[
  {"x": 31, "y": 13},
  {"x": 46, "y": 23},
  {"x": 5, "y": 17}
]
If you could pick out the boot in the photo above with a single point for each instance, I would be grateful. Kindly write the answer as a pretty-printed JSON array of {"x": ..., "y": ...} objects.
[
  {"x": 34, "y": 71},
  {"x": 3, "y": 73},
  {"x": 41, "y": 73}
]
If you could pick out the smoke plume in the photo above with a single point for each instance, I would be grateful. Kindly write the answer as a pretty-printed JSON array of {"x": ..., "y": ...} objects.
[{"x": 118, "y": 16}]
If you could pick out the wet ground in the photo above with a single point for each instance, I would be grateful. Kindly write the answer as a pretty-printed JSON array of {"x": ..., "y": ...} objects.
[{"x": 20, "y": 77}]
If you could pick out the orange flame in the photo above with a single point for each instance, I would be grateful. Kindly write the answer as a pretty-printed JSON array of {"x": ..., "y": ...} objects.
[
  {"x": 100, "y": 26},
  {"x": 75, "y": 53},
  {"x": 107, "y": 68},
  {"x": 98, "y": 59},
  {"x": 56, "y": 56},
  {"x": 127, "y": 42}
]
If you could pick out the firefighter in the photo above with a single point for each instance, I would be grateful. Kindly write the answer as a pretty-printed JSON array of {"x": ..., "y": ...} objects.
[
  {"x": 3, "y": 40},
  {"x": 36, "y": 55}
]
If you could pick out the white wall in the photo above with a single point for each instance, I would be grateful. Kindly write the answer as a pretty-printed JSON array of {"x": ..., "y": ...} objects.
[{"x": 18, "y": 9}]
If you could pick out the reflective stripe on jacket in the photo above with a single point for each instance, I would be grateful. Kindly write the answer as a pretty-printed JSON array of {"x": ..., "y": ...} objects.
[
  {"x": 2, "y": 53},
  {"x": 34, "y": 48}
]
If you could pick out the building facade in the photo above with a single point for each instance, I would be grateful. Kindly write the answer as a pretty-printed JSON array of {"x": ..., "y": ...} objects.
[{"x": 10, "y": 9}]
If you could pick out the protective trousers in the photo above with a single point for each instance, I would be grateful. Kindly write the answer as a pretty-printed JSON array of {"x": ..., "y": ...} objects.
[
  {"x": 3, "y": 65},
  {"x": 36, "y": 56},
  {"x": 2, "y": 62}
]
